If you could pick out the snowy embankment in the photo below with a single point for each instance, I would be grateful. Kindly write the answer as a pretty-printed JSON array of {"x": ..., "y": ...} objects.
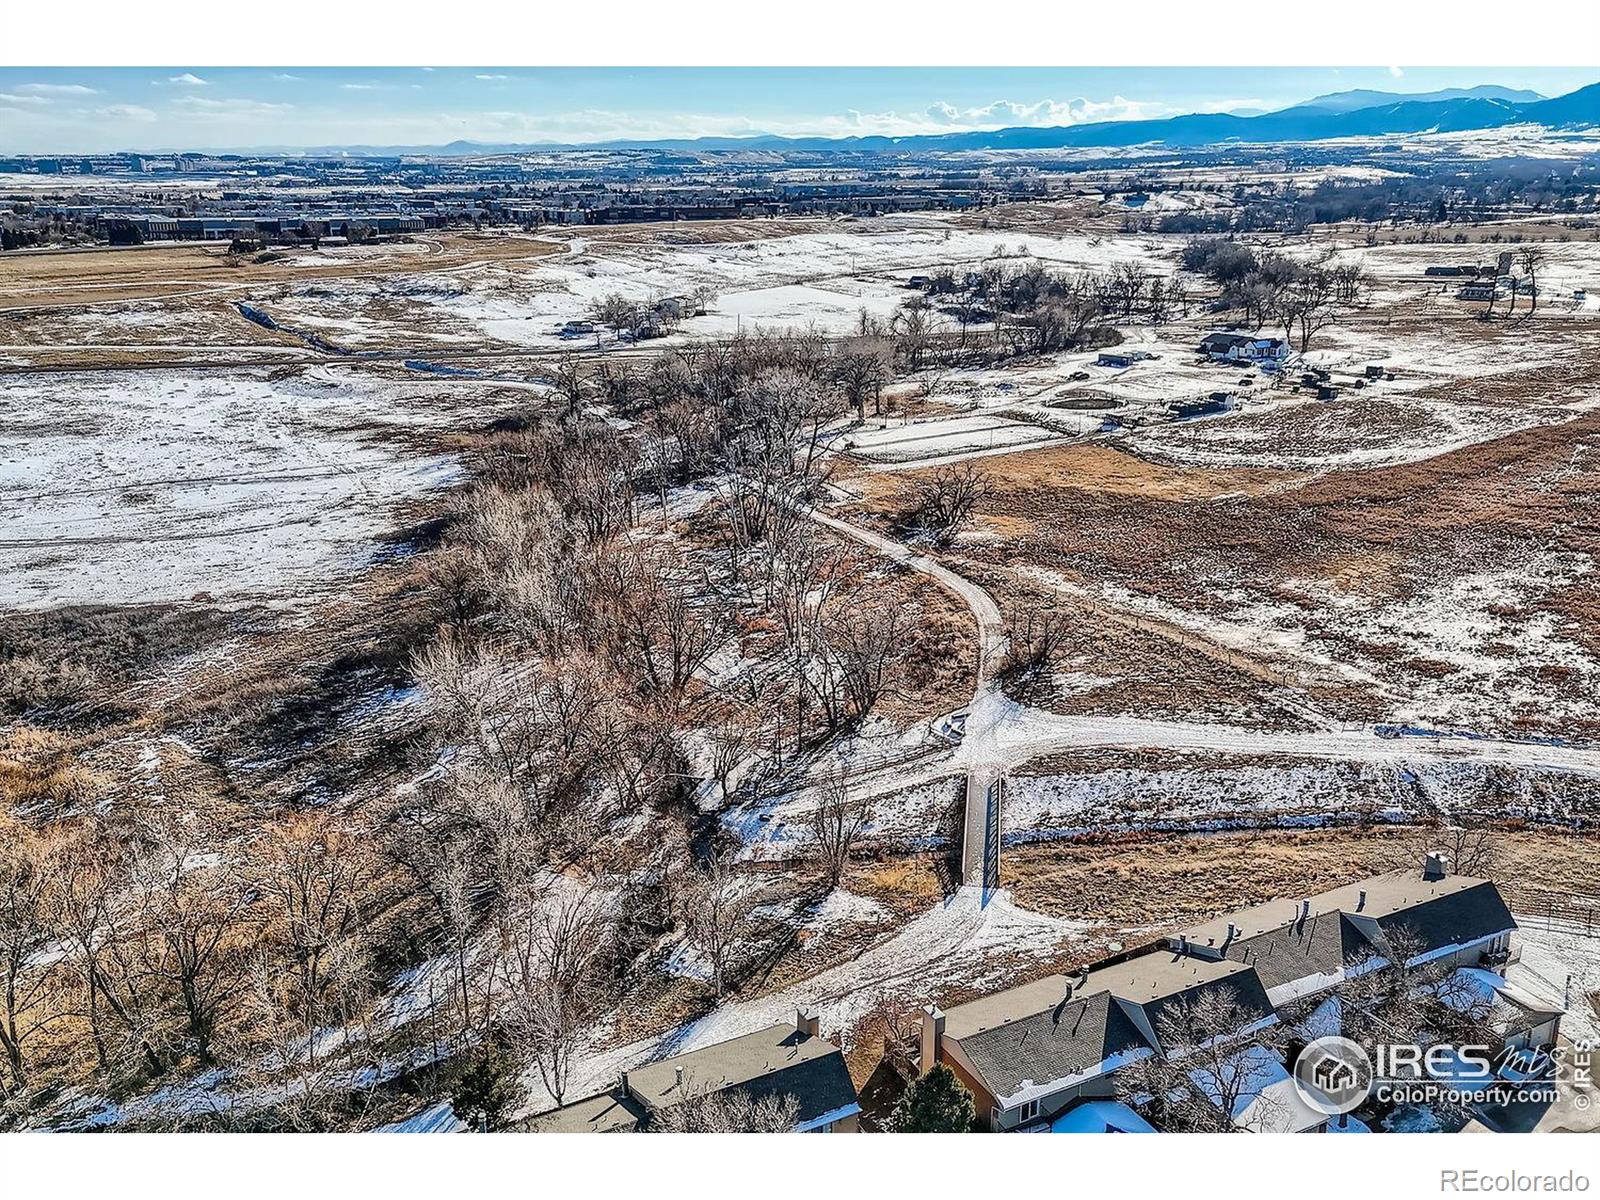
[
  {"x": 961, "y": 942},
  {"x": 1225, "y": 794}
]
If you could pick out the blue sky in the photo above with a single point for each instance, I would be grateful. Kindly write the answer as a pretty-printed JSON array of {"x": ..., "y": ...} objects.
[{"x": 45, "y": 110}]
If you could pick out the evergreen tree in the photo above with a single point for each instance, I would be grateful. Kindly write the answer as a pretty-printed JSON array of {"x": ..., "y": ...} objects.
[
  {"x": 486, "y": 1089},
  {"x": 936, "y": 1103}
]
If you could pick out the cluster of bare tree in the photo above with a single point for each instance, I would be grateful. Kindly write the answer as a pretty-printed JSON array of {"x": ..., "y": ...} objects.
[
  {"x": 638, "y": 320},
  {"x": 943, "y": 503},
  {"x": 569, "y": 719},
  {"x": 1030, "y": 308},
  {"x": 568, "y": 692},
  {"x": 1273, "y": 289},
  {"x": 1036, "y": 640},
  {"x": 170, "y": 937}
]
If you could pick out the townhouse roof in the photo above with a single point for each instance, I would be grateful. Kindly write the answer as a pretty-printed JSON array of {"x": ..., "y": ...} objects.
[
  {"x": 1063, "y": 1027},
  {"x": 1036, "y": 1034},
  {"x": 1450, "y": 910},
  {"x": 608, "y": 1112},
  {"x": 1071, "y": 1038},
  {"x": 776, "y": 1061}
]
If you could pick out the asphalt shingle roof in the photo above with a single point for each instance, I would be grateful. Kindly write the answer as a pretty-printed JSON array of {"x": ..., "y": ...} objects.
[
  {"x": 777, "y": 1061},
  {"x": 1066, "y": 1040}
]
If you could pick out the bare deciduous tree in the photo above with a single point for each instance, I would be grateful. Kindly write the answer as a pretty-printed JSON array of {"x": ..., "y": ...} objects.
[
  {"x": 25, "y": 930},
  {"x": 715, "y": 904},
  {"x": 552, "y": 946},
  {"x": 837, "y": 824},
  {"x": 312, "y": 875},
  {"x": 733, "y": 1110},
  {"x": 1205, "y": 1074},
  {"x": 1035, "y": 641},
  {"x": 1532, "y": 257},
  {"x": 945, "y": 502},
  {"x": 194, "y": 902}
]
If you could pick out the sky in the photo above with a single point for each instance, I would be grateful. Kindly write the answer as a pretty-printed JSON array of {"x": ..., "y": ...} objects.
[{"x": 93, "y": 110}]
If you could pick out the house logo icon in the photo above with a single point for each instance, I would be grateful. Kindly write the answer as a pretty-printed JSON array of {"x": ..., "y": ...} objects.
[{"x": 1333, "y": 1075}]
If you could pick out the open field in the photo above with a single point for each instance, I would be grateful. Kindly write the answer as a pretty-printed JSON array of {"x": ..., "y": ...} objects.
[
  {"x": 170, "y": 271},
  {"x": 161, "y": 486},
  {"x": 414, "y": 564}
]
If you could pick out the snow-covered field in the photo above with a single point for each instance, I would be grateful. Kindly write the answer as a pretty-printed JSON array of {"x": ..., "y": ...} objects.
[
  {"x": 1197, "y": 794},
  {"x": 1489, "y": 644},
  {"x": 123, "y": 487},
  {"x": 1438, "y": 402},
  {"x": 1568, "y": 266},
  {"x": 914, "y": 441},
  {"x": 823, "y": 279},
  {"x": 137, "y": 324}
]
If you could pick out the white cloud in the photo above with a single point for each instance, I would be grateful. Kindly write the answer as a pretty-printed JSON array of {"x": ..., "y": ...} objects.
[
  {"x": 56, "y": 89},
  {"x": 359, "y": 87},
  {"x": 284, "y": 77},
  {"x": 126, "y": 112},
  {"x": 491, "y": 78},
  {"x": 187, "y": 79},
  {"x": 943, "y": 117},
  {"x": 1397, "y": 73},
  {"x": 11, "y": 98},
  {"x": 201, "y": 106}
]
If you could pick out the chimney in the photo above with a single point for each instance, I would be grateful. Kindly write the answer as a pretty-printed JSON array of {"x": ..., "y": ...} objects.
[
  {"x": 622, "y": 1088},
  {"x": 1433, "y": 866},
  {"x": 1183, "y": 944},
  {"x": 1305, "y": 910},
  {"x": 807, "y": 1023},
  {"x": 932, "y": 1040},
  {"x": 1233, "y": 932},
  {"x": 1361, "y": 900},
  {"x": 678, "y": 1078}
]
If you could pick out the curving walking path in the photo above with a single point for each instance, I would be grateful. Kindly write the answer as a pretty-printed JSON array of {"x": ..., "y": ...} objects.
[{"x": 1001, "y": 734}]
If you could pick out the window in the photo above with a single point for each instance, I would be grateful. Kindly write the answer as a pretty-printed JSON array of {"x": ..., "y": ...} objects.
[{"x": 1030, "y": 1111}]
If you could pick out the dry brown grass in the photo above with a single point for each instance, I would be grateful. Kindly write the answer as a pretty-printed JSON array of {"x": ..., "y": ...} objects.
[
  {"x": 40, "y": 770},
  {"x": 1157, "y": 882},
  {"x": 1101, "y": 469},
  {"x": 179, "y": 268}
]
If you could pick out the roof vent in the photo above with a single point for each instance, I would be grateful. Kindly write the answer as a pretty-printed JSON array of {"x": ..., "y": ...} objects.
[
  {"x": 678, "y": 1076},
  {"x": 1434, "y": 866}
]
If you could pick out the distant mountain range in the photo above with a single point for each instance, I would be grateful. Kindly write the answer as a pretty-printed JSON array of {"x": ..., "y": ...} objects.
[
  {"x": 1364, "y": 98},
  {"x": 1339, "y": 115}
]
